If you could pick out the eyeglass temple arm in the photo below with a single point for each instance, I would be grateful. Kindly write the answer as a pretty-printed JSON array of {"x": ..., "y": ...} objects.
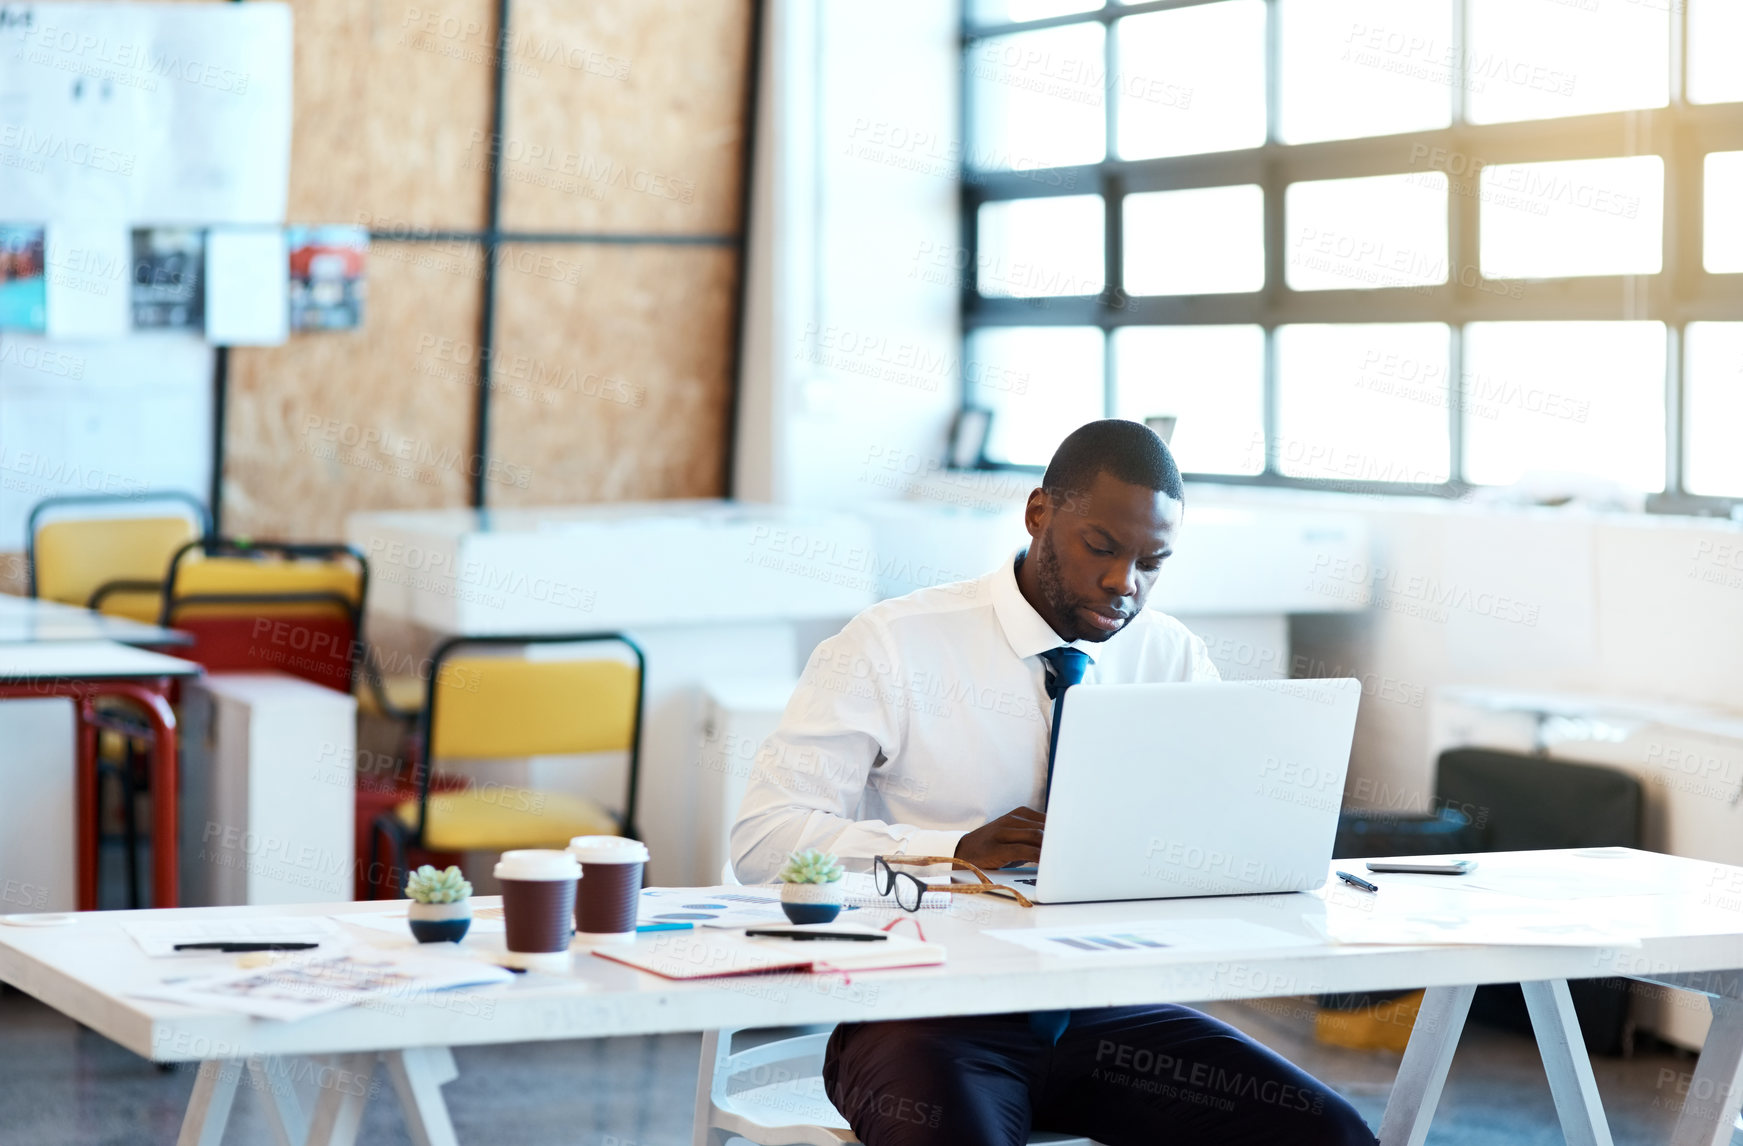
[{"x": 929, "y": 861}]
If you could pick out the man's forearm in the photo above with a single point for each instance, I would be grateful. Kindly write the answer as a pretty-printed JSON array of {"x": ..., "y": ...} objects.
[{"x": 762, "y": 842}]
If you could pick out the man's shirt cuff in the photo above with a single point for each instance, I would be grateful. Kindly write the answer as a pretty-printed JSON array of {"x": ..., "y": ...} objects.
[{"x": 927, "y": 842}]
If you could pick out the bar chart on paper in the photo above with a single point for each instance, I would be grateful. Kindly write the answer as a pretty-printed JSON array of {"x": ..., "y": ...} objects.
[{"x": 1148, "y": 940}]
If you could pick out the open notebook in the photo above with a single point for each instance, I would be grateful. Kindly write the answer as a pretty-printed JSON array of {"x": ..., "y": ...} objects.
[
  {"x": 703, "y": 954},
  {"x": 860, "y": 890}
]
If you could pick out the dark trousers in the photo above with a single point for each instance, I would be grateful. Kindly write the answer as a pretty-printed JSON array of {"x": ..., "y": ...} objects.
[{"x": 1123, "y": 1076}]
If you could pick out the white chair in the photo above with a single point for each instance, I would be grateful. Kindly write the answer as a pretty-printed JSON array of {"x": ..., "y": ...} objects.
[{"x": 790, "y": 1108}]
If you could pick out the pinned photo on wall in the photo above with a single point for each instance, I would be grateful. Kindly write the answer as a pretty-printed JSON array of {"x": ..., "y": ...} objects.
[
  {"x": 23, "y": 287},
  {"x": 327, "y": 286},
  {"x": 169, "y": 278}
]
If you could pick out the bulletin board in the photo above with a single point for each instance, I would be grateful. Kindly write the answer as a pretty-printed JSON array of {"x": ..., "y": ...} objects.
[{"x": 114, "y": 119}]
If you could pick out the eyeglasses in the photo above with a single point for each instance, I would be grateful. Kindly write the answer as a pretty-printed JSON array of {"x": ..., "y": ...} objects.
[{"x": 909, "y": 889}]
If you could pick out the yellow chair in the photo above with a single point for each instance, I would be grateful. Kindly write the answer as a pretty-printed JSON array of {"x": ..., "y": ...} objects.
[
  {"x": 240, "y": 567},
  {"x": 513, "y": 707},
  {"x": 270, "y": 606},
  {"x": 228, "y": 576},
  {"x": 84, "y": 555},
  {"x": 115, "y": 565}
]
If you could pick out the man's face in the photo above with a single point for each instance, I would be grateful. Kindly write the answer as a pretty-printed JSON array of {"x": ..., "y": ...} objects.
[{"x": 1097, "y": 553}]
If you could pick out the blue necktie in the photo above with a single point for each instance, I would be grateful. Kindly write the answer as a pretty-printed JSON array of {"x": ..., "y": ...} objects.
[{"x": 1068, "y": 665}]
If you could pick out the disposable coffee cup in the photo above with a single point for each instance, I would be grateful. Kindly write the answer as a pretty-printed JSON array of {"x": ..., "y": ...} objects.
[
  {"x": 610, "y": 890},
  {"x": 538, "y": 898}
]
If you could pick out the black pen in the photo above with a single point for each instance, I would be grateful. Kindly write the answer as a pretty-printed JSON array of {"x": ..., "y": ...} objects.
[
  {"x": 235, "y": 946},
  {"x": 855, "y": 936},
  {"x": 1355, "y": 881}
]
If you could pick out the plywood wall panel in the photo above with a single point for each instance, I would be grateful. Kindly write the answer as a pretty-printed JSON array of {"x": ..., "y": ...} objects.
[
  {"x": 614, "y": 362},
  {"x": 392, "y": 112},
  {"x": 378, "y": 418},
  {"x": 612, "y": 373},
  {"x": 625, "y": 115}
]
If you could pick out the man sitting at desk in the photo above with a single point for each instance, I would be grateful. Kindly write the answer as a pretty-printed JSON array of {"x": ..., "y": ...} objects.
[{"x": 922, "y": 729}]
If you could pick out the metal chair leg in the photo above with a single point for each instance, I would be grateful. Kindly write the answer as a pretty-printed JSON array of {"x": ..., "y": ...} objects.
[
  {"x": 398, "y": 870},
  {"x": 130, "y": 820},
  {"x": 369, "y": 880},
  {"x": 392, "y": 831}
]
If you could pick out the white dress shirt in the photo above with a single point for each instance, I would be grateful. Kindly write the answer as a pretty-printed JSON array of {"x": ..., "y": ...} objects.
[{"x": 926, "y": 717}]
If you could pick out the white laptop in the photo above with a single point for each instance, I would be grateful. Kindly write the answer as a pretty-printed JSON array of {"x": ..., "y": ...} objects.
[{"x": 1168, "y": 790}]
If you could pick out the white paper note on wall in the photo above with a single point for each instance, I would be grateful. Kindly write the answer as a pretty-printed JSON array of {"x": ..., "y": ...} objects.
[
  {"x": 159, "y": 113},
  {"x": 247, "y": 300},
  {"x": 86, "y": 267}
]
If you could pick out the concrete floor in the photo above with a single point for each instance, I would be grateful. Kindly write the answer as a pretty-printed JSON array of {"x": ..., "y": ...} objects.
[{"x": 62, "y": 1085}]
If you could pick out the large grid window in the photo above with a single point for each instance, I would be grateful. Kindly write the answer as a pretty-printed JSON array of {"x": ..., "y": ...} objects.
[{"x": 1380, "y": 245}]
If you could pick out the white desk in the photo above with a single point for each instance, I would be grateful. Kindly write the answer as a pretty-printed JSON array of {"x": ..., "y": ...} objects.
[
  {"x": 41, "y": 662},
  {"x": 30, "y": 620},
  {"x": 709, "y": 589},
  {"x": 1688, "y": 759},
  {"x": 85, "y": 970},
  {"x": 613, "y": 565},
  {"x": 49, "y": 775}
]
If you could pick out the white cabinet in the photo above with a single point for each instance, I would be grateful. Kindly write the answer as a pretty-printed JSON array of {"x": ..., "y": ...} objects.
[
  {"x": 737, "y": 716},
  {"x": 38, "y": 846},
  {"x": 268, "y": 790}
]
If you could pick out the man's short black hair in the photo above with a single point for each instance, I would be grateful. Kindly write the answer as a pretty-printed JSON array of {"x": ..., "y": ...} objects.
[{"x": 1130, "y": 451}]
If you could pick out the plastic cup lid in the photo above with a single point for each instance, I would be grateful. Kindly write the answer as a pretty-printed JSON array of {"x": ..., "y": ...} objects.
[
  {"x": 608, "y": 849},
  {"x": 537, "y": 863}
]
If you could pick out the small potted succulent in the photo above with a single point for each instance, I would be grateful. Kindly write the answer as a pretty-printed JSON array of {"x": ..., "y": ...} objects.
[
  {"x": 811, "y": 886},
  {"x": 441, "y": 905}
]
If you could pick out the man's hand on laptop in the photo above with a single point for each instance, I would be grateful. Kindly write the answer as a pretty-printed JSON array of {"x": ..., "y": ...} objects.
[{"x": 1013, "y": 838}]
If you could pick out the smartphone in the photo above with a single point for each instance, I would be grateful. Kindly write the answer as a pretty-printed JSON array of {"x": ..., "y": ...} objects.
[{"x": 1455, "y": 867}]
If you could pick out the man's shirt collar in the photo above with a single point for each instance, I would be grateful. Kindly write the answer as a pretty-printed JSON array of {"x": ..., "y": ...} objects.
[{"x": 1029, "y": 635}]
